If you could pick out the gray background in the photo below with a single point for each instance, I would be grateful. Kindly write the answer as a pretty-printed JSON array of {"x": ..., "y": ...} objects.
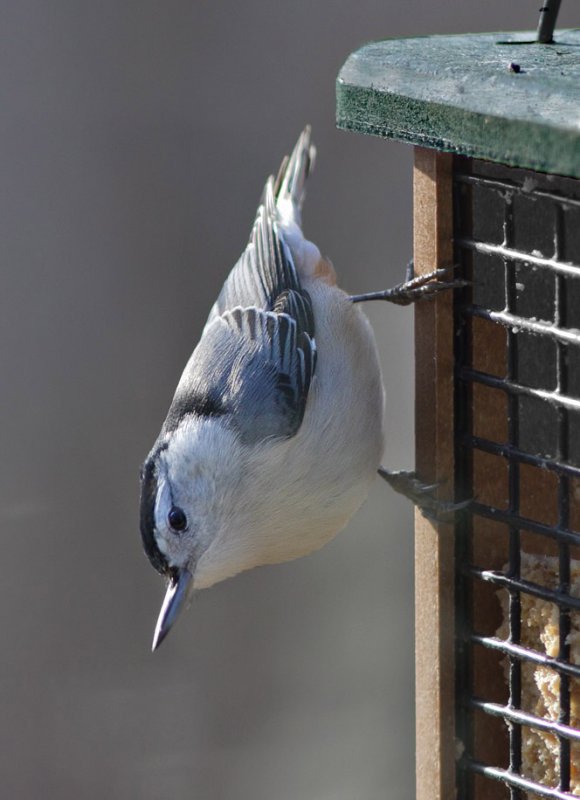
[{"x": 136, "y": 137}]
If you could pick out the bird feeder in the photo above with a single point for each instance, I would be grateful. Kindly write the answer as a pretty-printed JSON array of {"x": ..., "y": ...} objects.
[{"x": 495, "y": 124}]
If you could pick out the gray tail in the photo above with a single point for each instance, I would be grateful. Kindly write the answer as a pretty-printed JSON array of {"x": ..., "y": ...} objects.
[{"x": 289, "y": 186}]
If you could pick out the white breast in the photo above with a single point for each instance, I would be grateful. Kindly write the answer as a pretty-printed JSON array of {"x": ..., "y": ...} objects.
[{"x": 298, "y": 493}]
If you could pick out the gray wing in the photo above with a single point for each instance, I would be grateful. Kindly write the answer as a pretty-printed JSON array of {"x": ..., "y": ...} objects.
[
  {"x": 254, "y": 369},
  {"x": 256, "y": 358},
  {"x": 264, "y": 270}
]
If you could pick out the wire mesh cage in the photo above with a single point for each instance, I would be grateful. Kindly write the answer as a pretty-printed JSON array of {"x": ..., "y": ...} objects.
[
  {"x": 497, "y": 193},
  {"x": 517, "y": 238}
]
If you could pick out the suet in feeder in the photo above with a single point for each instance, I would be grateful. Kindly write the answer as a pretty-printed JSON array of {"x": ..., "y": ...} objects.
[{"x": 495, "y": 122}]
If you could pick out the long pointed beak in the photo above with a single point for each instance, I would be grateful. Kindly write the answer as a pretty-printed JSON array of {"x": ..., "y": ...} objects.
[{"x": 175, "y": 598}]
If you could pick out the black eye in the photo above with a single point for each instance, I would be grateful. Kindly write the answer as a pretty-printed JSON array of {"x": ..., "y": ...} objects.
[{"x": 177, "y": 519}]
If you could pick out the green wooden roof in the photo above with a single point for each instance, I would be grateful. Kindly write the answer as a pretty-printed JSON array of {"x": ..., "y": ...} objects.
[{"x": 458, "y": 94}]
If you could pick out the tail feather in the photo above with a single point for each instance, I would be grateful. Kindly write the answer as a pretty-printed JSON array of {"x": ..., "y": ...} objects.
[{"x": 289, "y": 187}]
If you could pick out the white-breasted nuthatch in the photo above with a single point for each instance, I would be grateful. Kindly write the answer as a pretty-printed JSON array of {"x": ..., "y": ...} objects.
[{"x": 275, "y": 431}]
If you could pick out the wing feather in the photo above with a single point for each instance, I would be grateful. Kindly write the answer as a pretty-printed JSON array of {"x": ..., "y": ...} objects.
[
  {"x": 266, "y": 267},
  {"x": 255, "y": 362}
]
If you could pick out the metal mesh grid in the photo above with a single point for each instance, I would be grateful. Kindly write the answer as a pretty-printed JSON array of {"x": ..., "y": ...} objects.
[{"x": 517, "y": 237}]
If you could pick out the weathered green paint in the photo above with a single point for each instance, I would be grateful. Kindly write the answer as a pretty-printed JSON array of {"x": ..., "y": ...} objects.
[{"x": 458, "y": 94}]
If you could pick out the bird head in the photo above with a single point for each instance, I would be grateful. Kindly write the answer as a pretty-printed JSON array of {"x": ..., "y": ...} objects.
[{"x": 182, "y": 500}]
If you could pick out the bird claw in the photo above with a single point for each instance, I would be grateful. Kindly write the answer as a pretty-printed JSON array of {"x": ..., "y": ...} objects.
[
  {"x": 407, "y": 483},
  {"x": 423, "y": 287}
]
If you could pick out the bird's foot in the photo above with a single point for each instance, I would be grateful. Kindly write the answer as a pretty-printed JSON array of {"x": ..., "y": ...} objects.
[
  {"x": 422, "y": 494},
  {"x": 423, "y": 287}
]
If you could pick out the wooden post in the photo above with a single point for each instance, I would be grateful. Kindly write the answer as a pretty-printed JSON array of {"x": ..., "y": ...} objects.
[{"x": 434, "y": 542}]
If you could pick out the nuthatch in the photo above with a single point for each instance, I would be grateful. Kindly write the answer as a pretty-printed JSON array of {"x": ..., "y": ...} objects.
[{"x": 275, "y": 432}]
